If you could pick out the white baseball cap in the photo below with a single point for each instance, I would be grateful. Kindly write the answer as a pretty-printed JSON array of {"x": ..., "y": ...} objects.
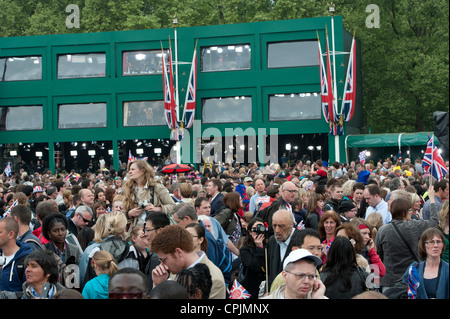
[{"x": 299, "y": 254}]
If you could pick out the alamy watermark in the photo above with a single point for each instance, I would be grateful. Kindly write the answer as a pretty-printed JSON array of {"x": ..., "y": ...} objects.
[
  {"x": 373, "y": 19},
  {"x": 210, "y": 145},
  {"x": 73, "y": 19}
]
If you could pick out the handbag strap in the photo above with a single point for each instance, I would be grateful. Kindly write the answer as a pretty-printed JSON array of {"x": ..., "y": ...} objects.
[{"x": 404, "y": 241}]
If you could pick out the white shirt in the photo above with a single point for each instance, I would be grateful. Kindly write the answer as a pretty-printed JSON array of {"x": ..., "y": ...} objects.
[{"x": 381, "y": 208}]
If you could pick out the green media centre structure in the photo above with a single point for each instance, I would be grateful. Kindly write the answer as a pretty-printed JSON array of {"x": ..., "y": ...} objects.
[{"x": 70, "y": 99}]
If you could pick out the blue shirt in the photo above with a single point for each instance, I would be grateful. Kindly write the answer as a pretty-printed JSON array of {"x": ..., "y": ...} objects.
[
  {"x": 96, "y": 288},
  {"x": 381, "y": 208}
]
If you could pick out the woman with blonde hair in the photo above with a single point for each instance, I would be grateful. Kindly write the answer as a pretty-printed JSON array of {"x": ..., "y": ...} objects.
[
  {"x": 416, "y": 206},
  {"x": 143, "y": 194},
  {"x": 110, "y": 235},
  {"x": 104, "y": 266}
]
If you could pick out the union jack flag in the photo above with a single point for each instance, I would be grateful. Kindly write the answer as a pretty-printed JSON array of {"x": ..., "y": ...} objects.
[
  {"x": 7, "y": 170},
  {"x": 325, "y": 86},
  {"x": 169, "y": 95},
  {"x": 189, "y": 105},
  {"x": 349, "y": 98},
  {"x": 8, "y": 211},
  {"x": 130, "y": 157},
  {"x": 433, "y": 162},
  {"x": 238, "y": 291},
  {"x": 413, "y": 282},
  {"x": 362, "y": 156}
]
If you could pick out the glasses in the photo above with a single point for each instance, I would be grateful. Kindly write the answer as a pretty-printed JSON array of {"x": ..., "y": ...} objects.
[
  {"x": 162, "y": 260},
  {"x": 302, "y": 276},
  {"x": 434, "y": 242},
  {"x": 292, "y": 191},
  {"x": 147, "y": 230},
  {"x": 84, "y": 219},
  {"x": 125, "y": 295}
]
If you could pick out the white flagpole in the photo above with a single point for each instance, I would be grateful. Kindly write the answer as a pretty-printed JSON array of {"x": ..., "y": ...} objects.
[
  {"x": 177, "y": 102},
  {"x": 178, "y": 144},
  {"x": 336, "y": 137}
]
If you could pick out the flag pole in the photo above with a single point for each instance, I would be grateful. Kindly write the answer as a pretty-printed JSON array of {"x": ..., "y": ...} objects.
[
  {"x": 331, "y": 9},
  {"x": 178, "y": 144},
  {"x": 432, "y": 159}
]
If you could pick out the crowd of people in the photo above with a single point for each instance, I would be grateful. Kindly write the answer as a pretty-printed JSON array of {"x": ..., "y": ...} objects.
[{"x": 309, "y": 231}]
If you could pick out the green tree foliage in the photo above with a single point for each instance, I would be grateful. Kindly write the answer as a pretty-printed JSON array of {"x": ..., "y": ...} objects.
[{"x": 404, "y": 60}]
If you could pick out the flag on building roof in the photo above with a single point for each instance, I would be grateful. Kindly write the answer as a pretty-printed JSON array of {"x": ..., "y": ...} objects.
[
  {"x": 433, "y": 162},
  {"x": 189, "y": 105},
  {"x": 238, "y": 291}
]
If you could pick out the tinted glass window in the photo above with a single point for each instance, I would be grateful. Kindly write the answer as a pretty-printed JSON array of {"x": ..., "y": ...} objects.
[
  {"x": 21, "y": 68},
  {"x": 227, "y": 109},
  {"x": 15, "y": 118},
  {"x": 225, "y": 58},
  {"x": 142, "y": 62},
  {"x": 81, "y": 65},
  {"x": 86, "y": 115},
  {"x": 292, "y": 107},
  {"x": 143, "y": 113},
  {"x": 292, "y": 54}
]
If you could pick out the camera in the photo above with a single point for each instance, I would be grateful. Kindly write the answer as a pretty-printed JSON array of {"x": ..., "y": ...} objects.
[
  {"x": 2, "y": 261},
  {"x": 143, "y": 204},
  {"x": 260, "y": 229}
]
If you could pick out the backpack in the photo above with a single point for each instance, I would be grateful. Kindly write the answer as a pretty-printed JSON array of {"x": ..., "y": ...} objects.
[
  {"x": 124, "y": 254},
  {"x": 224, "y": 260},
  {"x": 226, "y": 217}
]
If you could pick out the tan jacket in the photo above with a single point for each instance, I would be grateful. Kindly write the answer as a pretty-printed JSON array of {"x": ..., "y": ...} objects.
[
  {"x": 218, "y": 289},
  {"x": 161, "y": 199}
]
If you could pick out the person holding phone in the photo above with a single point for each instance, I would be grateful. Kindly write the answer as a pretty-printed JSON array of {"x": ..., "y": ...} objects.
[{"x": 370, "y": 252}]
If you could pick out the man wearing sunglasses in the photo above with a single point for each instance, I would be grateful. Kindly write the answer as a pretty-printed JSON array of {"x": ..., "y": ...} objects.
[{"x": 80, "y": 219}]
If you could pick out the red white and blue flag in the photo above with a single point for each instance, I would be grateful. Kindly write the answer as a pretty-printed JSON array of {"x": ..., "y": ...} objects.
[
  {"x": 189, "y": 105},
  {"x": 130, "y": 157},
  {"x": 238, "y": 291},
  {"x": 8, "y": 211},
  {"x": 7, "y": 170},
  {"x": 325, "y": 87},
  {"x": 433, "y": 162},
  {"x": 169, "y": 96},
  {"x": 349, "y": 98}
]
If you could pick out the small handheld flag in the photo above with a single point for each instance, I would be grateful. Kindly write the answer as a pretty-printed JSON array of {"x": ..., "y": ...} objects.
[
  {"x": 413, "y": 282},
  {"x": 238, "y": 291}
]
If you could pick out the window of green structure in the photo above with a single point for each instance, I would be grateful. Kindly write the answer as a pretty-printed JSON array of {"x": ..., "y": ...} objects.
[
  {"x": 235, "y": 109},
  {"x": 292, "y": 54},
  {"x": 81, "y": 65},
  {"x": 142, "y": 62},
  {"x": 225, "y": 58},
  {"x": 21, "y": 118},
  {"x": 295, "y": 106},
  {"x": 82, "y": 115},
  {"x": 143, "y": 113},
  {"x": 24, "y": 68}
]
